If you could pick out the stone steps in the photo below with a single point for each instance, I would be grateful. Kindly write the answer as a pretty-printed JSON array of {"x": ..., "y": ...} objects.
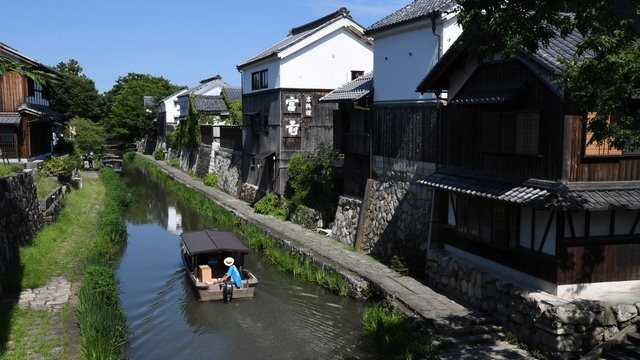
[{"x": 627, "y": 349}]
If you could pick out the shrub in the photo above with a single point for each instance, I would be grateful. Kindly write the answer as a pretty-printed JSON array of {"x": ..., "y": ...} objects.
[
  {"x": 273, "y": 205},
  {"x": 61, "y": 166},
  {"x": 159, "y": 154},
  {"x": 211, "y": 179}
]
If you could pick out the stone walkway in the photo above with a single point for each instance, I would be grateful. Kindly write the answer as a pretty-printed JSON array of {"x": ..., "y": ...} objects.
[
  {"x": 462, "y": 332},
  {"x": 53, "y": 296}
]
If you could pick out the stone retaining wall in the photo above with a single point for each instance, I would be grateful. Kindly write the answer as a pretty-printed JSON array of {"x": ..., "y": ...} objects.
[
  {"x": 559, "y": 328},
  {"x": 22, "y": 215},
  {"x": 226, "y": 164},
  {"x": 392, "y": 220}
]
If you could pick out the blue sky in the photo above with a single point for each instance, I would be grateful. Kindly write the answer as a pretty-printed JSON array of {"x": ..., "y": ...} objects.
[{"x": 182, "y": 41}]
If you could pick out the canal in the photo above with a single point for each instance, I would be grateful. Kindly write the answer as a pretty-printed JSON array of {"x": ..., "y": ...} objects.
[{"x": 288, "y": 318}]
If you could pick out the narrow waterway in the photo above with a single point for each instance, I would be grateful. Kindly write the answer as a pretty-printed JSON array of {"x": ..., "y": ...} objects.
[{"x": 288, "y": 318}]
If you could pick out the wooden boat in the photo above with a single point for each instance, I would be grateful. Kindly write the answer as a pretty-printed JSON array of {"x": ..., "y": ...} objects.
[{"x": 204, "y": 253}]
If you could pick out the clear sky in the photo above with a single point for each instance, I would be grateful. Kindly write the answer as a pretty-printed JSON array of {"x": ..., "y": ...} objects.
[{"x": 182, "y": 41}]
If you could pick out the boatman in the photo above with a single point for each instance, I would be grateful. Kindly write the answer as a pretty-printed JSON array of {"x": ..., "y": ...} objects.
[{"x": 232, "y": 273}]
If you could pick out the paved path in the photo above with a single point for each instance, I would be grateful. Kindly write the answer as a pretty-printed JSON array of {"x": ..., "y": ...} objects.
[{"x": 463, "y": 332}]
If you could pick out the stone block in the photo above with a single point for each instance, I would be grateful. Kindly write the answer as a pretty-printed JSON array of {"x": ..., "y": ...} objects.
[{"x": 625, "y": 312}]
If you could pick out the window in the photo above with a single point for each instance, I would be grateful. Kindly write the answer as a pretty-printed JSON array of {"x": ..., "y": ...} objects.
[
  {"x": 487, "y": 222},
  {"x": 259, "y": 80},
  {"x": 511, "y": 132},
  {"x": 593, "y": 148},
  {"x": 356, "y": 74}
]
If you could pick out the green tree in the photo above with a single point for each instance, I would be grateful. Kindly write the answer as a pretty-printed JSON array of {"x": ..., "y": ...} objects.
[
  {"x": 235, "y": 110},
  {"x": 31, "y": 72},
  {"x": 604, "y": 74},
  {"x": 88, "y": 136},
  {"x": 75, "y": 95},
  {"x": 128, "y": 118},
  {"x": 313, "y": 178}
]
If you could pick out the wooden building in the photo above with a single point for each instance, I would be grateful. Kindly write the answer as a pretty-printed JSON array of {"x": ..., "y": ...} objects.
[
  {"x": 280, "y": 90},
  {"x": 352, "y": 131},
  {"x": 26, "y": 120},
  {"x": 521, "y": 189}
]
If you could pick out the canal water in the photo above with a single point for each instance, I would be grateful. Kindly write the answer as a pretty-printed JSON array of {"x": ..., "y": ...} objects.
[{"x": 288, "y": 318}]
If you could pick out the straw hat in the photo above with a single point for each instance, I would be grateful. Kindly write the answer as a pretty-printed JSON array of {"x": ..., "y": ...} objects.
[{"x": 228, "y": 261}]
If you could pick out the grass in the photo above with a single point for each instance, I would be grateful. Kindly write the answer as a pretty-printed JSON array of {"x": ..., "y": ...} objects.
[
  {"x": 396, "y": 336},
  {"x": 59, "y": 249},
  {"x": 45, "y": 185}
]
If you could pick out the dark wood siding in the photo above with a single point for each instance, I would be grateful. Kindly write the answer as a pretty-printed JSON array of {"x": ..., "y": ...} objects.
[
  {"x": 599, "y": 262},
  {"x": 13, "y": 91},
  {"x": 406, "y": 131},
  {"x": 604, "y": 168},
  {"x": 464, "y": 131}
]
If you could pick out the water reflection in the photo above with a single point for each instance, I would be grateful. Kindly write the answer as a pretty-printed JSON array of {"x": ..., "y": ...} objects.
[{"x": 288, "y": 319}]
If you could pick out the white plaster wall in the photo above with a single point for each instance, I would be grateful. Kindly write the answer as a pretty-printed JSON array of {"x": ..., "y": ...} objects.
[
  {"x": 404, "y": 55},
  {"x": 272, "y": 76},
  {"x": 327, "y": 63},
  {"x": 542, "y": 218},
  {"x": 321, "y": 61}
]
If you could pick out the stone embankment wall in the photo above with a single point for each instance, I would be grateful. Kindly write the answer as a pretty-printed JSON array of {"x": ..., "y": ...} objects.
[
  {"x": 22, "y": 215},
  {"x": 560, "y": 328},
  {"x": 227, "y": 164},
  {"x": 393, "y": 217}
]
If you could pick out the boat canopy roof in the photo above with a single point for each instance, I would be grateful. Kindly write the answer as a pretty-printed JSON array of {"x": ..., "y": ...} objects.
[{"x": 208, "y": 241}]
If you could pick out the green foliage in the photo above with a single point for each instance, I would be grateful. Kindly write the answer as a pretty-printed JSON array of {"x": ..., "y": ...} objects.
[
  {"x": 42, "y": 77},
  {"x": 6, "y": 170},
  {"x": 128, "y": 119},
  {"x": 604, "y": 74},
  {"x": 396, "y": 336},
  {"x": 88, "y": 136},
  {"x": 398, "y": 264},
  {"x": 172, "y": 139},
  {"x": 313, "y": 179},
  {"x": 273, "y": 205},
  {"x": 175, "y": 163},
  {"x": 61, "y": 166},
  {"x": 75, "y": 95},
  {"x": 102, "y": 321},
  {"x": 65, "y": 146},
  {"x": 159, "y": 154},
  {"x": 235, "y": 110},
  {"x": 211, "y": 179}
]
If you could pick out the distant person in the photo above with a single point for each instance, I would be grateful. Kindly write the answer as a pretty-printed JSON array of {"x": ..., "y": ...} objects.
[
  {"x": 90, "y": 160},
  {"x": 232, "y": 273}
]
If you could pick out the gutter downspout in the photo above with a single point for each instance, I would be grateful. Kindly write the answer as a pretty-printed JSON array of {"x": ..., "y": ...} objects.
[{"x": 433, "y": 17}]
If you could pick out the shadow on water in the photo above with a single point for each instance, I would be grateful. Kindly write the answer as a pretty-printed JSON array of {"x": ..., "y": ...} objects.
[{"x": 288, "y": 318}]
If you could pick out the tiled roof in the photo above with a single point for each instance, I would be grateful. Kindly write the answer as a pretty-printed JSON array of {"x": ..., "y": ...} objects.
[
  {"x": 210, "y": 103},
  {"x": 559, "y": 48},
  {"x": 10, "y": 119},
  {"x": 541, "y": 193},
  {"x": 208, "y": 83},
  {"x": 354, "y": 90},
  {"x": 38, "y": 109},
  {"x": 233, "y": 92},
  {"x": 485, "y": 188},
  {"x": 298, "y": 34},
  {"x": 418, "y": 9}
]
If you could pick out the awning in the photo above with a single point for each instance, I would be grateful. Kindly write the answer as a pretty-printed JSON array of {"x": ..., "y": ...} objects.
[
  {"x": 206, "y": 241},
  {"x": 520, "y": 194},
  {"x": 594, "y": 196}
]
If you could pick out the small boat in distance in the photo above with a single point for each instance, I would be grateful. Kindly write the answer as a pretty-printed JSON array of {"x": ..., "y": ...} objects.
[{"x": 207, "y": 256}]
